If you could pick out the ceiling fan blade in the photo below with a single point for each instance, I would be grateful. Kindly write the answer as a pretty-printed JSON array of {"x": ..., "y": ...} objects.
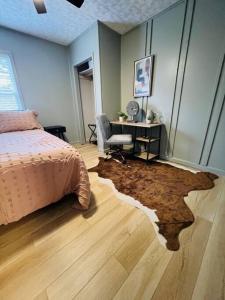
[
  {"x": 77, "y": 3},
  {"x": 40, "y": 6}
]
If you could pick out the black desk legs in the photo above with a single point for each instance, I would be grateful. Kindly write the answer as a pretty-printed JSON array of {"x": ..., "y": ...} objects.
[
  {"x": 160, "y": 132},
  {"x": 134, "y": 139}
]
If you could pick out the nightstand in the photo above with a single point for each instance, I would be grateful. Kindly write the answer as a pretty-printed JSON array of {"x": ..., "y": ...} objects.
[{"x": 57, "y": 130}]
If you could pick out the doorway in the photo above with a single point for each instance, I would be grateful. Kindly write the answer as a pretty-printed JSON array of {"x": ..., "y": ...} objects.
[{"x": 87, "y": 97}]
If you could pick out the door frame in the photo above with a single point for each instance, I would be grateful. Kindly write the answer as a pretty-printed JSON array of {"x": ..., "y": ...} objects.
[{"x": 78, "y": 96}]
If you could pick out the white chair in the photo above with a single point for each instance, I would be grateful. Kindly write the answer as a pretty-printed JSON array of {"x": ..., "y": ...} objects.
[{"x": 114, "y": 141}]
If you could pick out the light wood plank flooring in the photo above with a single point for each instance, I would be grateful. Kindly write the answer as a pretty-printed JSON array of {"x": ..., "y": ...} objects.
[{"x": 112, "y": 251}]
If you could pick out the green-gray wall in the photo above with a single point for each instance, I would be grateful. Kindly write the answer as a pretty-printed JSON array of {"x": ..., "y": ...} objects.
[
  {"x": 109, "y": 43},
  {"x": 103, "y": 45},
  {"x": 188, "y": 41},
  {"x": 48, "y": 81},
  {"x": 84, "y": 47},
  {"x": 42, "y": 69}
]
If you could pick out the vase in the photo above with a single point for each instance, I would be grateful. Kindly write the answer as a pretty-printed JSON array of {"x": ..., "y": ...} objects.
[{"x": 121, "y": 119}]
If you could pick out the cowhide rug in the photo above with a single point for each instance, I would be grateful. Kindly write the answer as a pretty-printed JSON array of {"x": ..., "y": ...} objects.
[{"x": 160, "y": 187}]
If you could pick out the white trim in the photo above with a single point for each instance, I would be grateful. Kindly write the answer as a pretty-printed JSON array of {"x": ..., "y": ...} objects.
[
  {"x": 196, "y": 166},
  {"x": 76, "y": 93},
  {"x": 77, "y": 101},
  {"x": 79, "y": 104},
  {"x": 74, "y": 142}
]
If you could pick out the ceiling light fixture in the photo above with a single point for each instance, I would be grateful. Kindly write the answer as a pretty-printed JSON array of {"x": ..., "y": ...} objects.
[{"x": 41, "y": 9}]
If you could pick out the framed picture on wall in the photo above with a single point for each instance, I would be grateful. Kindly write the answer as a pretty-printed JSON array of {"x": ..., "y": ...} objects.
[{"x": 143, "y": 69}]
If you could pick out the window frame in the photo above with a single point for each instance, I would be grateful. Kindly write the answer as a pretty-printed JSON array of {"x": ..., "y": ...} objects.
[{"x": 21, "y": 101}]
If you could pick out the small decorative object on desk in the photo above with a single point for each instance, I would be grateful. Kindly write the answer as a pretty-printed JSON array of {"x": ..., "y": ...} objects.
[
  {"x": 149, "y": 119},
  {"x": 122, "y": 116},
  {"x": 132, "y": 110},
  {"x": 152, "y": 118}
]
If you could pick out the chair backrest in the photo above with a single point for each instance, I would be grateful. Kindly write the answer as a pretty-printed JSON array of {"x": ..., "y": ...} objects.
[{"x": 104, "y": 127}]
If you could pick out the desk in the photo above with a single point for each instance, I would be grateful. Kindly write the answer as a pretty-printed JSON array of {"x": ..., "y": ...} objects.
[
  {"x": 138, "y": 124},
  {"x": 147, "y": 139}
]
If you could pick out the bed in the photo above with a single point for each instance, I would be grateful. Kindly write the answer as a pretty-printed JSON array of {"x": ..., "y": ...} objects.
[{"x": 36, "y": 169}]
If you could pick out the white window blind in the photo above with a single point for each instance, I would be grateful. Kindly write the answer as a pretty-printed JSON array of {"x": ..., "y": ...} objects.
[{"x": 9, "y": 96}]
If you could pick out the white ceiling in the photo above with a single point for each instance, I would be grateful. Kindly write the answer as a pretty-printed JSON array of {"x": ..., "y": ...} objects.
[{"x": 64, "y": 22}]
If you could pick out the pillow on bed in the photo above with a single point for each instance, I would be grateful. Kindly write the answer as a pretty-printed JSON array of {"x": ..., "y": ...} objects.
[{"x": 18, "y": 121}]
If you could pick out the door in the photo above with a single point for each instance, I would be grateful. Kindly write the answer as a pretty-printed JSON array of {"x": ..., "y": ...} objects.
[{"x": 88, "y": 102}]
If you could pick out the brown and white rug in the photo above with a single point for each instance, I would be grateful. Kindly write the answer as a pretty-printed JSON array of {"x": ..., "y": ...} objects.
[{"x": 160, "y": 187}]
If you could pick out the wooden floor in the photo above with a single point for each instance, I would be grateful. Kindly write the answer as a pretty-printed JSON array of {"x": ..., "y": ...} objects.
[{"x": 112, "y": 251}]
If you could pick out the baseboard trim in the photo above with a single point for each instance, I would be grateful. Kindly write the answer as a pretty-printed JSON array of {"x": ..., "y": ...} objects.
[
  {"x": 216, "y": 171},
  {"x": 195, "y": 166},
  {"x": 74, "y": 142},
  {"x": 176, "y": 160}
]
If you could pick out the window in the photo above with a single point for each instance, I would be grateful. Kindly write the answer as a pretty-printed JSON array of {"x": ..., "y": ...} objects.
[{"x": 9, "y": 95}]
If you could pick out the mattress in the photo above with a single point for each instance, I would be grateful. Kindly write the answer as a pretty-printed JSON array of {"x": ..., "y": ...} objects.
[{"x": 37, "y": 169}]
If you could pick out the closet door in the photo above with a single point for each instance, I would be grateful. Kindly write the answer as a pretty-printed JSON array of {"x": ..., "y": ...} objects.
[
  {"x": 206, "y": 47},
  {"x": 88, "y": 104}
]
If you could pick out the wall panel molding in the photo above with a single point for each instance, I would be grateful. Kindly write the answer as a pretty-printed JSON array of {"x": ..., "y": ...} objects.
[
  {"x": 186, "y": 34},
  {"x": 189, "y": 77},
  {"x": 215, "y": 114},
  {"x": 201, "y": 75},
  {"x": 217, "y": 125},
  {"x": 197, "y": 167},
  {"x": 166, "y": 41},
  {"x": 132, "y": 48}
]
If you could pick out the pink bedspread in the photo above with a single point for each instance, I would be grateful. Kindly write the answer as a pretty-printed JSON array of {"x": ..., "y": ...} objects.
[{"x": 37, "y": 169}]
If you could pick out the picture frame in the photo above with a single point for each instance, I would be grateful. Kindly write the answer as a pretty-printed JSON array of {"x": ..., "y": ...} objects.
[{"x": 143, "y": 69}]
